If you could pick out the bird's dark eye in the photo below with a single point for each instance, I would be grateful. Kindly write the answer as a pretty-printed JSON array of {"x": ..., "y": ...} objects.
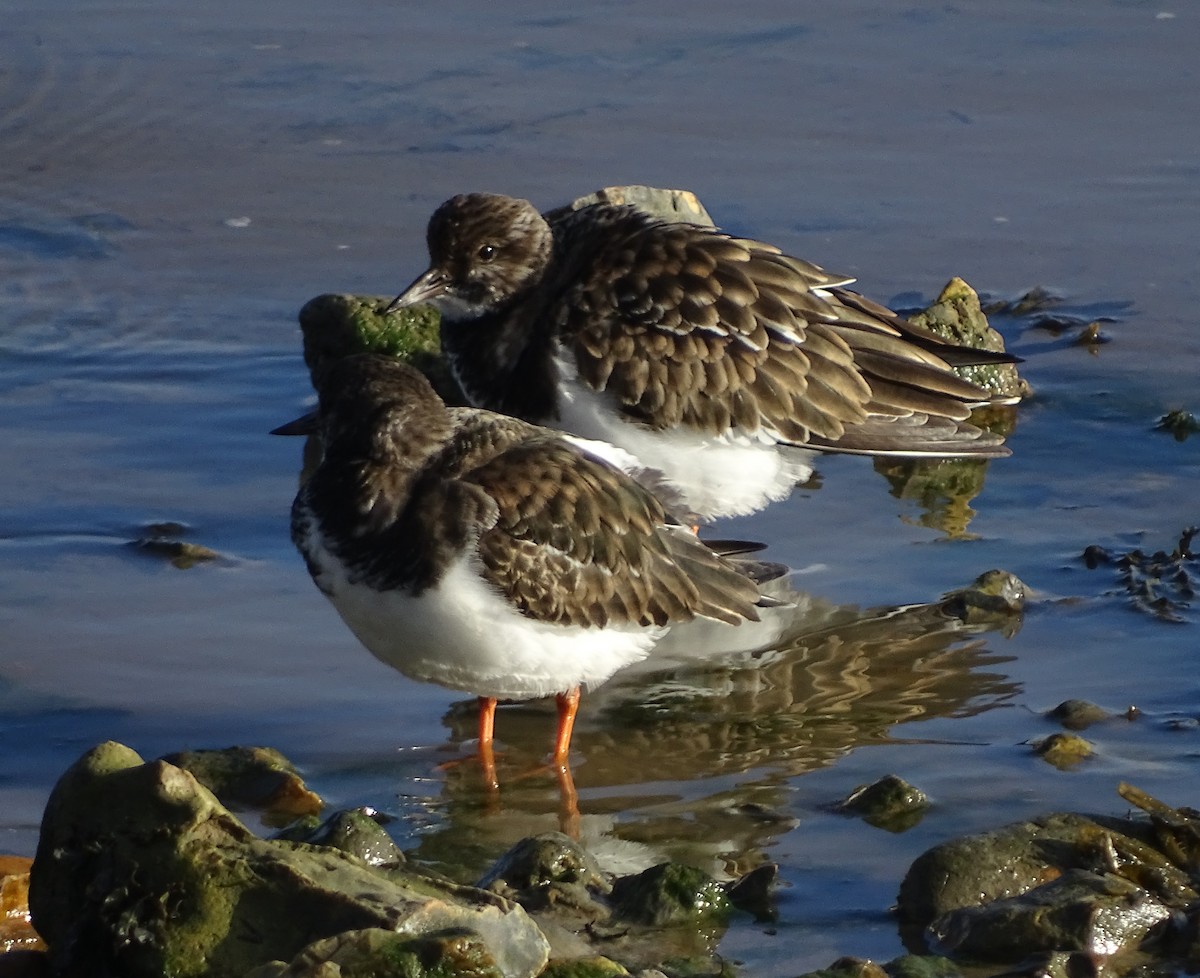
[{"x": 487, "y": 252}]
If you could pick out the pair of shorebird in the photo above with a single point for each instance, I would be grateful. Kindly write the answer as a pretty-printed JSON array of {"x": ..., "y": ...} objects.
[{"x": 474, "y": 548}]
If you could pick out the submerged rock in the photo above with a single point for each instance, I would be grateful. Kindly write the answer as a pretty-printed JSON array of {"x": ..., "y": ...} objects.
[
  {"x": 1063, "y": 750},
  {"x": 1078, "y": 714},
  {"x": 890, "y": 803},
  {"x": 141, "y": 871}
]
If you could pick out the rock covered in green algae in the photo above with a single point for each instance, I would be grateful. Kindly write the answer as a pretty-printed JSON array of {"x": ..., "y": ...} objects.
[
  {"x": 335, "y": 326},
  {"x": 670, "y": 894},
  {"x": 890, "y": 803},
  {"x": 597, "y": 966},
  {"x": 549, "y": 870},
  {"x": 1063, "y": 750},
  {"x": 251, "y": 777},
  {"x": 992, "y": 598},
  {"x": 957, "y": 317},
  {"x": 356, "y": 831},
  {"x": 376, "y": 953},
  {"x": 142, "y": 872}
]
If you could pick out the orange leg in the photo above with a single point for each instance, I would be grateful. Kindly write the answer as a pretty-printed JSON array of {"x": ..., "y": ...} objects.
[
  {"x": 568, "y": 706},
  {"x": 487, "y": 726}
]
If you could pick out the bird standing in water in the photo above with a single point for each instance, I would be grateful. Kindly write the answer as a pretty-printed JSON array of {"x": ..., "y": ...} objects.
[
  {"x": 489, "y": 555},
  {"x": 714, "y": 360}
]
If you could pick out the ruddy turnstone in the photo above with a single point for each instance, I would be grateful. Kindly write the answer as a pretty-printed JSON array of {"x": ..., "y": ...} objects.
[
  {"x": 489, "y": 555},
  {"x": 708, "y": 357}
]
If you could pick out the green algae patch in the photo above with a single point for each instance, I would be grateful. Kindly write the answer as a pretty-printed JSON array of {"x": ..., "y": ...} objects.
[
  {"x": 593, "y": 967},
  {"x": 670, "y": 894},
  {"x": 377, "y": 953},
  {"x": 957, "y": 317},
  {"x": 335, "y": 326},
  {"x": 140, "y": 871}
]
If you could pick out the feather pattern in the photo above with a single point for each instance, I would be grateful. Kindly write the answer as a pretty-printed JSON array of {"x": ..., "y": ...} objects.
[{"x": 683, "y": 328}]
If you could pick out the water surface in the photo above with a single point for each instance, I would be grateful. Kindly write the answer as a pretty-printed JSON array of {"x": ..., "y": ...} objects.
[{"x": 178, "y": 181}]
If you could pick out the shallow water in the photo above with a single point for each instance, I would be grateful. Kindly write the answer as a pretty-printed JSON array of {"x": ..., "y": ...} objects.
[{"x": 177, "y": 181}]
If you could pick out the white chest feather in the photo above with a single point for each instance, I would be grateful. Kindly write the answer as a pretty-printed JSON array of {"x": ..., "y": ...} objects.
[{"x": 462, "y": 634}]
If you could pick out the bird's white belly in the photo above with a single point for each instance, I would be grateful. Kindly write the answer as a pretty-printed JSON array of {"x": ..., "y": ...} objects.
[
  {"x": 462, "y": 634},
  {"x": 711, "y": 475}
]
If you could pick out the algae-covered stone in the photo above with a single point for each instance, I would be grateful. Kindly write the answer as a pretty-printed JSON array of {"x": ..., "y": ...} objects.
[
  {"x": 1179, "y": 423},
  {"x": 251, "y": 777},
  {"x": 378, "y": 953},
  {"x": 551, "y": 857},
  {"x": 597, "y": 966},
  {"x": 1063, "y": 750},
  {"x": 922, "y": 966},
  {"x": 335, "y": 326},
  {"x": 956, "y": 316},
  {"x": 140, "y": 871},
  {"x": 1081, "y": 911},
  {"x": 890, "y": 803},
  {"x": 548, "y": 870},
  {"x": 670, "y": 894},
  {"x": 848, "y": 968},
  {"x": 356, "y": 831},
  {"x": 994, "y": 597}
]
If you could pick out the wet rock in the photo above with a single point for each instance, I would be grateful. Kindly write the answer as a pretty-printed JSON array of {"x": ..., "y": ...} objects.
[
  {"x": 995, "y": 597},
  {"x": 752, "y": 892},
  {"x": 957, "y": 317},
  {"x": 670, "y": 894},
  {"x": 374, "y": 953},
  {"x": 849, "y": 968},
  {"x": 258, "y": 778},
  {"x": 1078, "y": 714},
  {"x": 549, "y": 870},
  {"x": 922, "y": 966},
  {"x": 596, "y": 966},
  {"x": 890, "y": 803},
  {"x": 670, "y": 205},
  {"x": 1175, "y": 831},
  {"x": 335, "y": 326},
  {"x": 1081, "y": 910},
  {"x": 157, "y": 540},
  {"x": 1180, "y": 424},
  {"x": 1063, "y": 883},
  {"x": 358, "y": 832},
  {"x": 141, "y": 871},
  {"x": 1063, "y": 750}
]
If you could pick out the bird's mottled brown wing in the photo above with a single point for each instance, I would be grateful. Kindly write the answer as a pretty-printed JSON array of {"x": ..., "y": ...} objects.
[
  {"x": 687, "y": 326},
  {"x": 578, "y": 542}
]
